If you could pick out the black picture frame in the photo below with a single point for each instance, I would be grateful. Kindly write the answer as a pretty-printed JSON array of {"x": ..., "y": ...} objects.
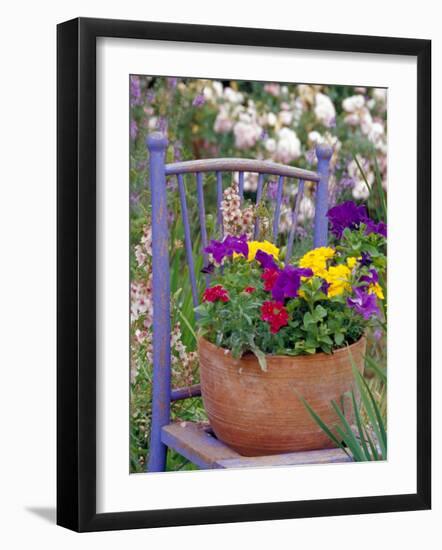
[{"x": 76, "y": 274}]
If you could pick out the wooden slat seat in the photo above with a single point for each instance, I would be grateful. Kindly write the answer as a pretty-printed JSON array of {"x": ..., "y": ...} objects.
[{"x": 196, "y": 442}]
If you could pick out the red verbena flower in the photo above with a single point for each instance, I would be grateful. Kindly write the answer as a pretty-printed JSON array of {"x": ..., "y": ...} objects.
[
  {"x": 269, "y": 276},
  {"x": 249, "y": 289},
  {"x": 275, "y": 314},
  {"x": 215, "y": 293}
]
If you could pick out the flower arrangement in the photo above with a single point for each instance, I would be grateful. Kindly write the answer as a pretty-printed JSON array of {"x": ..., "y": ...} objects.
[{"x": 320, "y": 302}]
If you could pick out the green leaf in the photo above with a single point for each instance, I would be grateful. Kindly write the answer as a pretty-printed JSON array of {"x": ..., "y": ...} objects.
[
  {"x": 308, "y": 319},
  {"x": 320, "y": 312},
  {"x": 348, "y": 436},
  {"x": 339, "y": 338},
  {"x": 359, "y": 426}
]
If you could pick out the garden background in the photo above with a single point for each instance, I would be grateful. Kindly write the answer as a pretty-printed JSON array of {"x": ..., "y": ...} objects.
[{"x": 282, "y": 122}]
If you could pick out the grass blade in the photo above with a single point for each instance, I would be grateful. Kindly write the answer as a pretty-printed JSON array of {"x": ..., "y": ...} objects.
[
  {"x": 359, "y": 425},
  {"x": 323, "y": 426},
  {"x": 348, "y": 436}
]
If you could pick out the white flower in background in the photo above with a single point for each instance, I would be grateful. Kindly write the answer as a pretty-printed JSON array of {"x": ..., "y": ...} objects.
[
  {"x": 324, "y": 109},
  {"x": 352, "y": 119},
  {"x": 306, "y": 209},
  {"x": 288, "y": 146},
  {"x": 223, "y": 123},
  {"x": 271, "y": 119},
  {"x": 376, "y": 133},
  {"x": 270, "y": 145},
  {"x": 232, "y": 96},
  {"x": 353, "y": 103},
  {"x": 359, "y": 115},
  {"x": 250, "y": 181},
  {"x": 380, "y": 95},
  {"x": 213, "y": 90},
  {"x": 153, "y": 122},
  {"x": 366, "y": 121},
  {"x": 285, "y": 118},
  {"x": 360, "y": 189},
  {"x": 307, "y": 93},
  {"x": 246, "y": 133},
  {"x": 218, "y": 87},
  {"x": 298, "y": 109},
  {"x": 315, "y": 137}
]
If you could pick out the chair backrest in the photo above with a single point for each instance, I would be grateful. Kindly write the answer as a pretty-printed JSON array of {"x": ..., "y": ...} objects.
[{"x": 159, "y": 170}]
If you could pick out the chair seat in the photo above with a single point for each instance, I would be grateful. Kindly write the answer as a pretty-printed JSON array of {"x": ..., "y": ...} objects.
[{"x": 196, "y": 442}]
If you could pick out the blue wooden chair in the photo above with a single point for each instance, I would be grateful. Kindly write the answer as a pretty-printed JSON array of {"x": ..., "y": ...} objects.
[{"x": 195, "y": 441}]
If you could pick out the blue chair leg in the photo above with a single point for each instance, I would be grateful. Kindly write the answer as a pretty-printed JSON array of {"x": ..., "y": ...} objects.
[{"x": 157, "y": 145}]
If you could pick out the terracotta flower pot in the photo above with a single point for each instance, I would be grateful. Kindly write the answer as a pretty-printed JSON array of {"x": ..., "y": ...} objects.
[{"x": 260, "y": 413}]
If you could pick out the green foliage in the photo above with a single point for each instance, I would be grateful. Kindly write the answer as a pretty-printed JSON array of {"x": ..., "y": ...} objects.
[{"x": 319, "y": 320}]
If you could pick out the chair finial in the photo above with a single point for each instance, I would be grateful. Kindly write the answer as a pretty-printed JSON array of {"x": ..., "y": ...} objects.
[
  {"x": 324, "y": 151},
  {"x": 156, "y": 141}
]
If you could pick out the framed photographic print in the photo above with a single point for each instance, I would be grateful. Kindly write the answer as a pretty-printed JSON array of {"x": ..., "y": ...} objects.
[{"x": 243, "y": 274}]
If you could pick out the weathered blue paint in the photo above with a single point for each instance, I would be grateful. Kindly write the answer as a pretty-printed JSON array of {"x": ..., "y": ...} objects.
[
  {"x": 202, "y": 216},
  {"x": 295, "y": 213},
  {"x": 178, "y": 394},
  {"x": 219, "y": 198},
  {"x": 157, "y": 145},
  {"x": 241, "y": 185},
  {"x": 187, "y": 239},
  {"x": 320, "y": 233},
  {"x": 258, "y": 199},
  {"x": 277, "y": 208}
]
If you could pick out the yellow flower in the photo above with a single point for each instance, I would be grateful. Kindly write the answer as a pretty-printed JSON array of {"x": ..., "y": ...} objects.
[
  {"x": 337, "y": 277},
  {"x": 316, "y": 260},
  {"x": 265, "y": 246},
  {"x": 376, "y": 289},
  {"x": 351, "y": 262}
]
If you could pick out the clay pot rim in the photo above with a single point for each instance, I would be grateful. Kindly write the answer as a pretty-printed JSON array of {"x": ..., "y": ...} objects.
[{"x": 320, "y": 356}]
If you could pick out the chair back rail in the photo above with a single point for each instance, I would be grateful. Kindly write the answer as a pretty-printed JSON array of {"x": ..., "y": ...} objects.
[{"x": 162, "y": 393}]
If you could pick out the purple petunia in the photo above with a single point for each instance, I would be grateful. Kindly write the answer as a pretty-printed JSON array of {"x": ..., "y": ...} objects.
[
  {"x": 346, "y": 214},
  {"x": 288, "y": 282},
  {"x": 371, "y": 279},
  {"x": 373, "y": 227},
  {"x": 266, "y": 260},
  {"x": 221, "y": 249},
  {"x": 349, "y": 214},
  {"x": 363, "y": 303},
  {"x": 324, "y": 287},
  {"x": 366, "y": 259}
]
